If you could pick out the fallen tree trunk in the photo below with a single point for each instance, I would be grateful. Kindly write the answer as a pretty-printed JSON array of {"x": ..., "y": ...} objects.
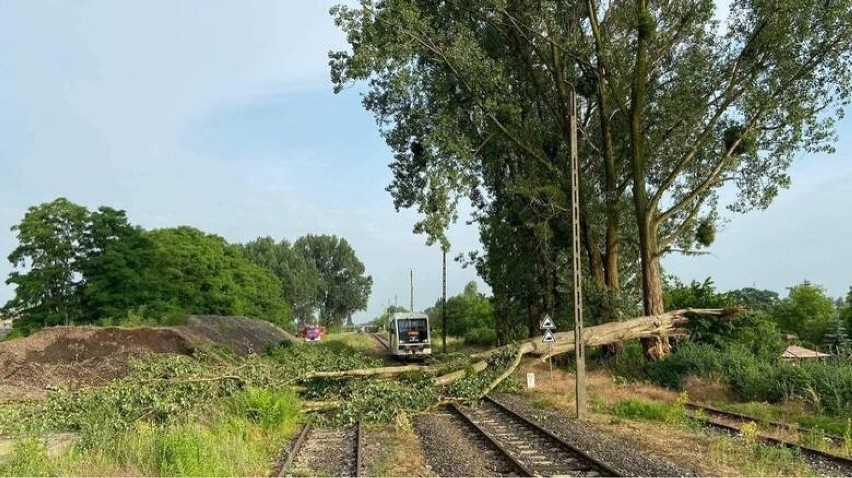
[
  {"x": 662, "y": 325},
  {"x": 459, "y": 374},
  {"x": 366, "y": 372}
]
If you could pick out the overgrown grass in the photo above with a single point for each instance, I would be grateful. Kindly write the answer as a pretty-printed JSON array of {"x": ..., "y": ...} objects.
[
  {"x": 755, "y": 459},
  {"x": 744, "y": 452},
  {"x": 483, "y": 336},
  {"x": 216, "y": 413},
  {"x": 650, "y": 411},
  {"x": 234, "y": 436},
  {"x": 173, "y": 416},
  {"x": 362, "y": 343}
]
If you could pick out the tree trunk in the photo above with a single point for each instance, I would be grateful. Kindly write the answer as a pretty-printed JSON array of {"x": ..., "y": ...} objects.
[
  {"x": 532, "y": 323},
  {"x": 655, "y": 348},
  {"x": 652, "y": 297}
]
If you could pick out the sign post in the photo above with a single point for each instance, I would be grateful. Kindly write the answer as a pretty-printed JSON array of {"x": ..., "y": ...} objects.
[{"x": 548, "y": 326}]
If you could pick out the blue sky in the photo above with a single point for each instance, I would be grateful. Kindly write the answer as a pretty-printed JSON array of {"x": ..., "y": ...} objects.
[{"x": 220, "y": 115}]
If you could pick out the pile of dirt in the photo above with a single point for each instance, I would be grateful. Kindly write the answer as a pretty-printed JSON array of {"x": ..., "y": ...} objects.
[{"x": 75, "y": 357}]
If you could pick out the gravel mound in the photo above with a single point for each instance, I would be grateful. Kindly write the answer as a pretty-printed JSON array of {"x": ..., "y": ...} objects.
[{"x": 596, "y": 443}]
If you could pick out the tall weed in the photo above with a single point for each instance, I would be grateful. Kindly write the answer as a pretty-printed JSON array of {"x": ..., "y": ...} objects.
[{"x": 28, "y": 458}]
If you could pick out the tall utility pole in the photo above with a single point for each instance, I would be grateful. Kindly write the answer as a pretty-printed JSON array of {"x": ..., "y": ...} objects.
[
  {"x": 444, "y": 306},
  {"x": 580, "y": 346},
  {"x": 411, "y": 310}
]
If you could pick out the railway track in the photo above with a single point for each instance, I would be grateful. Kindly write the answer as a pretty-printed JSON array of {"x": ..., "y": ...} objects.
[
  {"x": 383, "y": 341},
  {"x": 528, "y": 449},
  {"x": 726, "y": 421},
  {"x": 325, "y": 452},
  {"x": 837, "y": 440}
]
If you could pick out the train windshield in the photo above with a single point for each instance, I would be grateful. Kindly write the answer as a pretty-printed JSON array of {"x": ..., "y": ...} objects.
[{"x": 412, "y": 330}]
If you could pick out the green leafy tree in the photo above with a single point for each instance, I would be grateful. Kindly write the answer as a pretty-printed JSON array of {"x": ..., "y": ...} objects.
[
  {"x": 753, "y": 329},
  {"x": 467, "y": 311},
  {"x": 201, "y": 273},
  {"x": 296, "y": 272},
  {"x": 845, "y": 310},
  {"x": 344, "y": 287},
  {"x": 836, "y": 338},
  {"x": 474, "y": 99},
  {"x": 755, "y": 299},
  {"x": 806, "y": 312},
  {"x": 50, "y": 252},
  {"x": 678, "y": 295},
  {"x": 118, "y": 267},
  {"x": 86, "y": 267}
]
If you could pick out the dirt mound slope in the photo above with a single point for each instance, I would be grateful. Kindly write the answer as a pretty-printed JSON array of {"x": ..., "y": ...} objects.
[
  {"x": 79, "y": 356},
  {"x": 242, "y": 334},
  {"x": 75, "y": 357}
]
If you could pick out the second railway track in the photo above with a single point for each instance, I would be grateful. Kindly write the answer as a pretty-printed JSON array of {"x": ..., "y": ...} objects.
[
  {"x": 530, "y": 449},
  {"x": 731, "y": 421}
]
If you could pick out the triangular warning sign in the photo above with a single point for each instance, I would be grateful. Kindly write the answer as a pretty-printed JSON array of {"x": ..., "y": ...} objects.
[
  {"x": 548, "y": 337},
  {"x": 547, "y": 323}
]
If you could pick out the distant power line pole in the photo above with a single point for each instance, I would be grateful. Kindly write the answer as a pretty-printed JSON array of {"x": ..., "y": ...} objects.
[{"x": 444, "y": 305}]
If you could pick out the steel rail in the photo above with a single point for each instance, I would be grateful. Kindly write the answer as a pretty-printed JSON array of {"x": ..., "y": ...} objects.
[
  {"x": 303, "y": 435},
  {"x": 813, "y": 452},
  {"x": 381, "y": 340},
  {"x": 359, "y": 438},
  {"x": 605, "y": 469},
  {"x": 747, "y": 418},
  {"x": 519, "y": 467}
]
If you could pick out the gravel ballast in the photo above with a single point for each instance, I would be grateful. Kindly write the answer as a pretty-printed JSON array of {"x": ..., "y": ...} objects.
[
  {"x": 620, "y": 456},
  {"x": 326, "y": 452},
  {"x": 450, "y": 450}
]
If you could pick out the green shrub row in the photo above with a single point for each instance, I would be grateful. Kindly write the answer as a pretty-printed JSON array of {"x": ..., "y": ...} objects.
[
  {"x": 485, "y": 336},
  {"x": 826, "y": 386}
]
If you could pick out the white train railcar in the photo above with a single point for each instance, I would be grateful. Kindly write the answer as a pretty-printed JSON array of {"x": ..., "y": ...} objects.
[{"x": 410, "y": 335}]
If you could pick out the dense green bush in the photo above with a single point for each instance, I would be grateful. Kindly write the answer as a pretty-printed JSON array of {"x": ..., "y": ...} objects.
[
  {"x": 485, "y": 336},
  {"x": 827, "y": 386},
  {"x": 689, "y": 359},
  {"x": 748, "y": 376}
]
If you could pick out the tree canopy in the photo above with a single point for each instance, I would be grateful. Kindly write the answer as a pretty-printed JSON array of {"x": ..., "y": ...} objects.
[
  {"x": 467, "y": 311},
  {"x": 73, "y": 265},
  {"x": 806, "y": 312},
  {"x": 475, "y": 100},
  {"x": 297, "y": 273},
  {"x": 344, "y": 287}
]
